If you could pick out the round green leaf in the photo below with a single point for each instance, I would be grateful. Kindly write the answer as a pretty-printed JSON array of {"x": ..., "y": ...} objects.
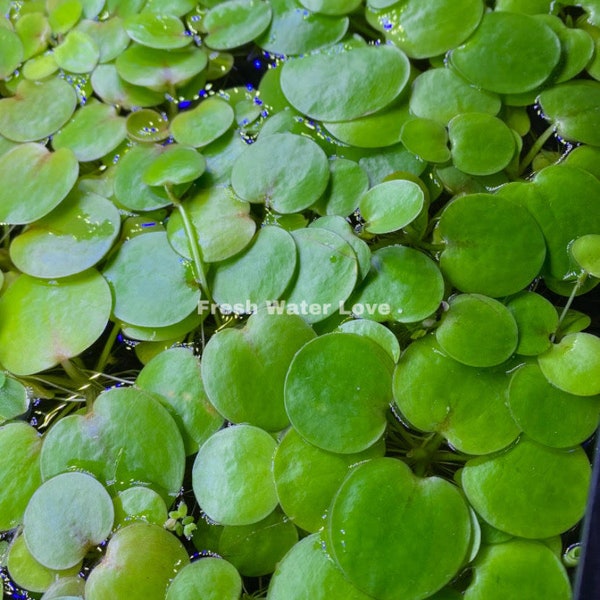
[
  {"x": 519, "y": 569},
  {"x": 261, "y": 173},
  {"x": 337, "y": 391},
  {"x": 530, "y": 52},
  {"x": 381, "y": 163},
  {"x": 35, "y": 181},
  {"x": 203, "y": 124},
  {"x": 78, "y": 53},
  {"x": 63, "y": 14},
  {"x": 37, "y": 110},
  {"x": 308, "y": 477},
  {"x": 308, "y": 571},
  {"x": 562, "y": 222},
  {"x": 109, "y": 36},
  {"x": 549, "y": 415},
  {"x": 12, "y": 52},
  {"x": 403, "y": 285},
  {"x": 469, "y": 133},
  {"x": 586, "y": 252},
  {"x": 378, "y": 130},
  {"x": 40, "y": 67},
  {"x": 295, "y": 30},
  {"x": 28, "y": 573},
  {"x": 326, "y": 274},
  {"x": 222, "y": 222},
  {"x": 147, "y": 125},
  {"x": 347, "y": 183},
  {"x": 14, "y": 399},
  {"x": 257, "y": 275},
  {"x": 179, "y": 8},
  {"x": 70, "y": 315},
  {"x": 577, "y": 47},
  {"x": 536, "y": 319},
  {"x": 160, "y": 69},
  {"x": 529, "y": 490},
  {"x": 130, "y": 189},
  {"x": 152, "y": 287},
  {"x": 571, "y": 106},
  {"x": 383, "y": 516},
  {"x": 232, "y": 476},
  {"x": 345, "y": 85},
  {"x": 177, "y": 164},
  {"x": 408, "y": 24},
  {"x": 244, "y": 369},
  {"x": 254, "y": 550},
  {"x": 70, "y": 239},
  {"x": 139, "y": 503},
  {"x": 477, "y": 331},
  {"x": 377, "y": 332},
  {"x": 235, "y": 23},
  {"x": 441, "y": 94},
  {"x": 492, "y": 246},
  {"x": 183, "y": 394},
  {"x": 65, "y": 588},
  {"x": 164, "y": 31},
  {"x": 128, "y": 439},
  {"x": 140, "y": 562},
  {"x": 573, "y": 365},
  {"x": 163, "y": 334},
  {"x": 332, "y": 7},
  {"x": 34, "y": 32},
  {"x": 344, "y": 230},
  {"x": 391, "y": 205},
  {"x": 467, "y": 405},
  {"x": 209, "y": 578},
  {"x": 20, "y": 474},
  {"x": 67, "y": 516},
  {"x": 94, "y": 131},
  {"x": 426, "y": 138},
  {"x": 109, "y": 86}
]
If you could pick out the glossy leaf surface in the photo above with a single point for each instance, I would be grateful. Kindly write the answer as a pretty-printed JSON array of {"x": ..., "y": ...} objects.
[
  {"x": 337, "y": 390},
  {"x": 232, "y": 475},
  {"x": 465, "y": 404},
  {"x": 183, "y": 394},
  {"x": 127, "y": 573},
  {"x": 529, "y": 490},
  {"x": 322, "y": 85},
  {"x": 244, "y": 369},
  {"x": 152, "y": 286},
  {"x": 53, "y": 537},
  {"x": 71, "y": 316},
  {"x": 101, "y": 442},
  {"x": 380, "y": 505}
]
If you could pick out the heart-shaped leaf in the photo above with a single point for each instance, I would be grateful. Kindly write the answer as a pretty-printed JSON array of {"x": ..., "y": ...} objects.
[
  {"x": 380, "y": 507},
  {"x": 36, "y": 181},
  {"x": 102, "y": 442},
  {"x": 244, "y": 369},
  {"x": 71, "y": 314},
  {"x": 67, "y": 515},
  {"x": 331, "y": 402}
]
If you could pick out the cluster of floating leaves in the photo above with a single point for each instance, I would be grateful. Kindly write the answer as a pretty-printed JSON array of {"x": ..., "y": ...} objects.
[{"x": 336, "y": 283}]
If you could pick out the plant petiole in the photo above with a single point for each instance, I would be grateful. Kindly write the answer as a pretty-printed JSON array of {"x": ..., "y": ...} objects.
[{"x": 537, "y": 146}]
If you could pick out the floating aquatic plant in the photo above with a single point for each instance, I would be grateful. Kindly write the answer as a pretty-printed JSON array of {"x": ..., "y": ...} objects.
[{"x": 293, "y": 297}]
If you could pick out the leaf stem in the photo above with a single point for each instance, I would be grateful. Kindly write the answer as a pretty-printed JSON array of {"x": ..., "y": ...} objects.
[
  {"x": 103, "y": 359},
  {"x": 537, "y": 146},
  {"x": 424, "y": 455},
  {"x": 81, "y": 381},
  {"x": 578, "y": 284},
  {"x": 190, "y": 232}
]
